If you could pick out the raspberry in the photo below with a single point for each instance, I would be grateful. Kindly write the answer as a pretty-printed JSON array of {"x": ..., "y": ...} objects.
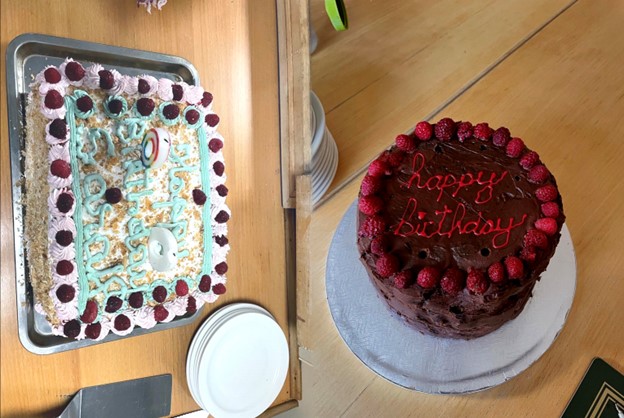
[
  {"x": 483, "y": 131},
  {"x": 218, "y": 168},
  {"x": 171, "y": 111},
  {"x": 113, "y": 195},
  {"x": 199, "y": 197},
  {"x": 191, "y": 116},
  {"x": 122, "y": 322},
  {"x": 476, "y": 282},
  {"x": 464, "y": 131},
  {"x": 205, "y": 283},
  {"x": 90, "y": 313},
  {"x": 159, "y": 294},
  {"x": 222, "y": 190},
  {"x": 403, "y": 279},
  {"x": 60, "y": 168},
  {"x": 529, "y": 255},
  {"x": 219, "y": 289},
  {"x": 221, "y": 268},
  {"x": 514, "y": 266},
  {"x": 65, "y": 293},
  {"x": 53, "y": 99},
  {"x": 52, "y": 75},
  {"x": 107, "y": 81},
  {"x": 423, "y": 131},
  {"x": 546, "y": 193},
  {"x": 496, "y": 273},
  {"x": 113, "y": 304},
  {"x": 372, "y": 226},
  {"x": 178, "y": 92},
  {"x": 529, "y": 159},
  {"x": 181, "y": 288},
  {"x": 395, "y": 159},
  {"x": 222, "y": 240},
  {"x": 64, "y": 237},
  {"x": 547, "y": 225},
  {"x": 115, "y": 106},
  {"x": 145, "y": 106},
  {"x": 92, "y": 331},
  {"x": 85, "y": 104},
  {"x": 144, "y": 86},
  {"x": 58, "y": 129},
  {"x": 71, "y": 329},
  {"x": 444, "y": 129},
  {"x": 378, "y": 168},
  {"x": 538, "y": 174},
  {"x": 206, "y": 99},
  {"x": 370, "y": 205},
  {"x": 405, "y": 143},
  {"x": 550, "y": 209},
  {"x": 535, "y": 238},
  {"x": 215, "y": 144},
  {"x": 65, "y": 202},
  {"x": 74, "y": 71},
  {"x": 379, "y": 245},
  {"x": 136, "y": 300},
  {"x": 64, "y": 267},
  {"x": 515, "y": 147},
  {"x": 211, "y": 120},
  {"x": 452, "y": 281},
  {"x": 501, "y": 137},
  {"x": 160, "y": 313},
  {"x": 370, "y": 185},
  {"x": 387, "y": 265},
  {"x": 222, "y": 217},
  {"x": 191, "y": 306},
  {"x": 428, "y": 277}
]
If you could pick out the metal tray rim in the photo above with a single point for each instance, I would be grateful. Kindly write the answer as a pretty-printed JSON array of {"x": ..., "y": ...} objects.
[{"x": 15, "y": 134}]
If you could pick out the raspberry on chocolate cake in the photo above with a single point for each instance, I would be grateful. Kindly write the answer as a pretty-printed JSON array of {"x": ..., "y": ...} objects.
[{"x": 469, "y": 219}]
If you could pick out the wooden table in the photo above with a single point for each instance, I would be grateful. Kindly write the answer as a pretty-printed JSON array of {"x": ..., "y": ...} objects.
[
  {"x": 236, "y": 57},
  {"x": 562, "y": 91}
]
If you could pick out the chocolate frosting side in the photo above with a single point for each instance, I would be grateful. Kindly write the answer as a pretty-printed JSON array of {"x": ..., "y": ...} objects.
[{"x": 433, "y": 311}]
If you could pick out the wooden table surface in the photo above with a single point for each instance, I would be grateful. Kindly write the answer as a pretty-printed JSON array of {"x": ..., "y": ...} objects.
[
  {"x": 236, "y": 57},
  {"x": 562, "y": 91}
]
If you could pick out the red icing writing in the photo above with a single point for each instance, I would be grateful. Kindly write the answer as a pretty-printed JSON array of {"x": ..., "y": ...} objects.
[
  {"x": 449, "y": 182},
  {"x": 413, "y": 223}
]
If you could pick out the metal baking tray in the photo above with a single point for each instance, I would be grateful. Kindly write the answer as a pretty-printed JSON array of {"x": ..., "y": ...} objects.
[{"x": 27, "y": 55}]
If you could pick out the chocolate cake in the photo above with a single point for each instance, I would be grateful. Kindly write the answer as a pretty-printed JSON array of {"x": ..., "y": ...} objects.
[{"x": 455, "y": 225}]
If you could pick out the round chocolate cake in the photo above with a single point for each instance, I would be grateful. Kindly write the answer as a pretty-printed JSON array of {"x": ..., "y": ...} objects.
[{"x": 455, "y": 225}]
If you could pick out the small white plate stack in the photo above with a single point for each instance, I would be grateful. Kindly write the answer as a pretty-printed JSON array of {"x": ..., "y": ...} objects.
[
  {"x": 237, "y": 362},
  {"x": 324, "y": 151}
]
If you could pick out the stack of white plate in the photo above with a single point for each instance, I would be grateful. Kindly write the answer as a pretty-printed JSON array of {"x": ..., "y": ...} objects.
[
  {"x": 237, "y": 361},
  {"x": 324, "y": 151}
]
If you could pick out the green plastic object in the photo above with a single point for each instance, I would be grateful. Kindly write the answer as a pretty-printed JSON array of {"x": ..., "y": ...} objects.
[{"x": 337, "y": 13}]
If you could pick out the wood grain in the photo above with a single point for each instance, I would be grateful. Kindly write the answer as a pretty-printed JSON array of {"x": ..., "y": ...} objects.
[
  {"x": 236, "y": 57},
  {"x": 401, "y": 60},
  {"x": 563, "y": 93}
]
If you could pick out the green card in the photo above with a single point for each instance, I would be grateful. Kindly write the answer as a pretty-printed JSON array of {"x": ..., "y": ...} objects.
[{"x": 600, "y": 394}]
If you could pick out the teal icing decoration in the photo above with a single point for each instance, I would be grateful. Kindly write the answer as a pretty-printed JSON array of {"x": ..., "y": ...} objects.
[
  {"x": 196, "y": 124},
  {"x": 82, "y": 115},
  {"x": 134, "y": 130},
  {"x": 163, "y": 119},
  {"x": 83, "y": 285},
  {"x": 124, "y": 107},
  {"x": 91, "y": 209},
  {"x": 206, "y": 218}
]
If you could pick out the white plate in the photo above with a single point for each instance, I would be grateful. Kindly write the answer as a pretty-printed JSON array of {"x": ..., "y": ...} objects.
[
  {"x": 319, "y": 112},
  {"x": 319, "y": 173},
  {"x": 243, "y": 367},
  {"x": 320, "y": 190},
  {"x": 437, "y": 365},
  {"x": 321, "y": 157},
  {"x": 202, "y": 335}
]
